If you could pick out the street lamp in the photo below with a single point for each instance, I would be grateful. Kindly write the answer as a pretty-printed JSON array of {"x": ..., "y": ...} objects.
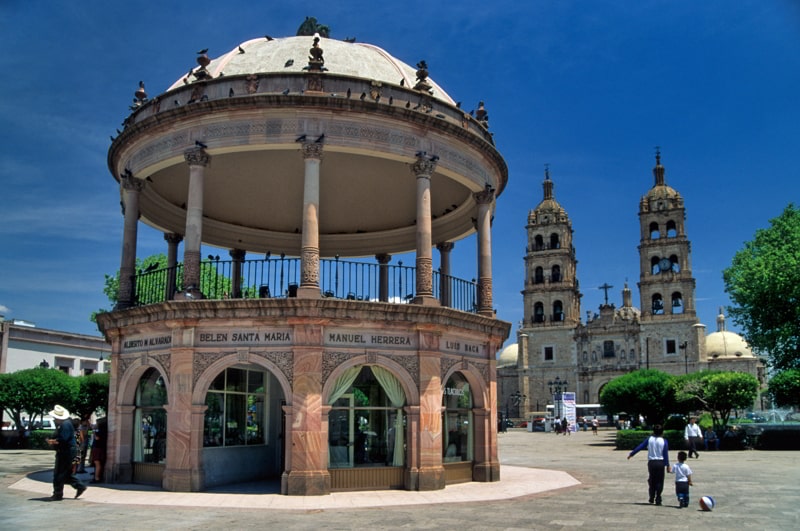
[
  {"x": 557, "y": 386},
  {"x": 516, "y": 398}
]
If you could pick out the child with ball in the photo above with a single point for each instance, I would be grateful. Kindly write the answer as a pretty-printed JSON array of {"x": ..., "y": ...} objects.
[{"x": 683, "y": 479}]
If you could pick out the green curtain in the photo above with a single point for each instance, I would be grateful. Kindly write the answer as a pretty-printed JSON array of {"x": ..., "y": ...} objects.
[
  {"x": 391, "y": 386},
  {"x": 343, "y": 383}
]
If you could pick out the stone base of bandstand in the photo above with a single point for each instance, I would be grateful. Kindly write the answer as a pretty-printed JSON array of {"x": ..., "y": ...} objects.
[
  {"x": 486, "y": 472},
  {"x": 306, "y": 483},
  {"x": 181, "y": 480},
  {"x": 430, "y": 478}
]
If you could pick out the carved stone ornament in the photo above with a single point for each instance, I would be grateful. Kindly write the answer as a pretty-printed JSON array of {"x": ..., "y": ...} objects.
[
  {"x": 310, "y": 261},
  {"x": 283, "y": 359},
  {"x": 485, "y": 293},
  {"x": 331, "y": 360},
  {"x": 251, "y": 83},
  {"x": 312, "y": 150},
  {"x": 485, "y": 196},
  {"x": 446, "y": 365},
  {"x": 423, "y": 167},
  {"x": 197, "y": 157},
  {"x": 314, "y": 83},
  {"x": 131, "y": 183},
  {"x": 425, "y": 276}
]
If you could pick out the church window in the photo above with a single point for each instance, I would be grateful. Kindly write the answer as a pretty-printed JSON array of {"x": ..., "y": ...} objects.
[
  {"x": 672, "y": 230},
  {"x": 558, "y": 311},
  {"x": 585, "y": 356},
  {"x": 677, "y": 302},
  {"x": 554, "y": 242},
  {"x": 676, "y": 264},
  {"x": 654, "y": 269},
  {"x": 586, "y": 397},
  {"x": 654, "y": 233},
  {"x": 555, "y": 274},
  {"x": 548, "y": 352},
  {"x": 538, "y": 312},
  {"x": 608, "y": 349},
  {"x": 632, "y": 355},
  {"x": 658, "y": 304},
  {"x": 622, "y": 354},
  {"x": 538, "y": 276},
  {"x": 670, "y": 346},
  {"x": 538, "y": 243}
]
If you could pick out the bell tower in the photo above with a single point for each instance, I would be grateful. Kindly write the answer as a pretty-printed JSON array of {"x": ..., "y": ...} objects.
[
  {"x": 666, "y": 285},
  {"x": 551, "y": 296}
]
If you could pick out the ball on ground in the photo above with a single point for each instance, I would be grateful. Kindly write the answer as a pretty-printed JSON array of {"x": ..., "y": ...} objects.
[{"x": 707, "y": 503}]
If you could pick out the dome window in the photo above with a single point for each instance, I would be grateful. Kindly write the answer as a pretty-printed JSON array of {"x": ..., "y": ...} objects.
[{"x": 654, "y": 233}]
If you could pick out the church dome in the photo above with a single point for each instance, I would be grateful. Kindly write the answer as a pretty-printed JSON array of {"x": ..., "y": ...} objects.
[
  {"x": 548, "y": 210},
  {"x": 724, "y": 344},
  {"x": 508, "y": 356},
  {"x": 289, "y": 55}
]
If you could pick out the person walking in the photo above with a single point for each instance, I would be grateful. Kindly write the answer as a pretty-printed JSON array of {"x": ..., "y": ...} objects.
[
  {"x": 657, "y": 462},
  {"x": 66, "y": 451},
  {"x": 683, "y": 480},
  {"x": 98, "y": 455},
  {"x": 595, "y": 425},
  {"x": 693, "y": 437},
  {"x": 565, "y": 425}
]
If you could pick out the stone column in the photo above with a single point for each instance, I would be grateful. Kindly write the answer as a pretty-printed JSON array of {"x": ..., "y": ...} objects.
[
  {"x": 445, "y": 295},
  {"x": 423, "y": 168},
  {"x": 383, "y": 276},
  {"x": 172, "y": 240},
  {"x": 236, "y": 275},
  {"x": 131, "y": 187},
  {"x": 309, "y": 250},
  {"x": 484, "y": 199},
  {"x": 197, "y": 159},
  {"x": 183, "y": 470},
  {"x": 430, "y": 471}
]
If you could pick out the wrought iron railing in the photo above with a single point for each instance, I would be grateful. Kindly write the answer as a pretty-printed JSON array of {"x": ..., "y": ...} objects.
[{"x": 280, "y": 277}]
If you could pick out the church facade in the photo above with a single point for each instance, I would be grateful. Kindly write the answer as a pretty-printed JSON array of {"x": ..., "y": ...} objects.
[{"x": 557, "y": 351}]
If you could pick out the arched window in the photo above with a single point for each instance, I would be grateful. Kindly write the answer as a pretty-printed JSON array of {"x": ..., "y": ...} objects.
[
  {"x": 538, "y": 312},
  {"x": 538, "y": 275},
  {"x": 586, "y": 397},
  {"x": 457, "y": 422},
  {"x": 658, "y": 304},
  {"x": 365, "y": 423},
  {"x": 676, "y": 264},
  {"x": 150, "y": 419},
  {"x": 585, "y": 357},
  {"x": 558, "y": 311},
  {"x": 538, "y": 242},
  {"x": 677, "y": 302},
  {"x": 654, "y": 233},
  {"x": 632, "y": 355},
  {"x": 236, "y": 408},
  {"x": 654, "y": 265},
  {"x": 555, "y": 273},
  {"x": 672, "y": 230},
  {"x": 554, "y": 242}
]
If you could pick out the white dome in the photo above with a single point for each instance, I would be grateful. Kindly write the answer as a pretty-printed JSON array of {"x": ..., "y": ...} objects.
[
  {"x": 726, "y": 344},
  {"x": 508, "y": 356}
]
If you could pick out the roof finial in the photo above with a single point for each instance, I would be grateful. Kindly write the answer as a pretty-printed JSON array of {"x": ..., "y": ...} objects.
[
  {"x": 658, "y": 171},
  {"x": 547, "y": 170},
  {"x": 658, "y": 154},
  {"x": 548, "y": 184}
]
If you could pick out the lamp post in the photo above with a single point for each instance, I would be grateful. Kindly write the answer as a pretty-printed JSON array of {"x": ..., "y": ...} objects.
[
  {"x": 516, "y": 398},
  {"x": 557, "y": 387}
]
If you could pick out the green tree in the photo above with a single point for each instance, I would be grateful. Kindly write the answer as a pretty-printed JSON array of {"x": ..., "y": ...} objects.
[
  {"x": 784, "y": 388},
  {"x": 646, "y": 392},
  {"x": 763, "y": 283},
  {"x": 35, "y": 391},
  {"x": 728, "y": 391},
  {"x": 92, "y": 394}
]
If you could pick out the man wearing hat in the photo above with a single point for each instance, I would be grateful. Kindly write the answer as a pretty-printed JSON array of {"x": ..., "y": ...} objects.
[{"x": 66, "y": 450}]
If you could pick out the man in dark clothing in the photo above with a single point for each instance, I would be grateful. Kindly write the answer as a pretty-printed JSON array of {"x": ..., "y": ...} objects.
[
  {"x": 657, "y": 462},
  {"x": 66, "y": 450}
]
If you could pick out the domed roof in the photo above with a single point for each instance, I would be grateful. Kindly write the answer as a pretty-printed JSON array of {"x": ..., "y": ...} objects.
[
  {"x": 548, "y": 210},
  {"x": 290, "y": 55},
  {"x": 724, "y": 344},
  {"x": 508, "y": 356},
  {"x": 661, "y": 195}
]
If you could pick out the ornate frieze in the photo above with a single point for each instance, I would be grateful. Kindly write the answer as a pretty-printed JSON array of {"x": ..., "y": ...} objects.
[
  {"x": 424, "y": 275},
  {"x": 331, "y": 360},
  {"x": 312, "y": 150},
  {"x": 164, "y": 360},
  {"x": 197, "y": 157},
  {"x": 423, "y": 167},
  {"x": 202, "y": 361},
  {"x": 446, "y": 364},
  {"x": 284, "y": 361},
  {"x": 310, "y": 261}
]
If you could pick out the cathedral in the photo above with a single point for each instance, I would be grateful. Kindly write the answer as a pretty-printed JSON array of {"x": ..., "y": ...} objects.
[{"x": 557, "y": 351}]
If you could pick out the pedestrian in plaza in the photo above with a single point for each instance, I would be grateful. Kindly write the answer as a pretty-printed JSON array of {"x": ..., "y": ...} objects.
[
  {"x": 98, "y": 455},
  {"x": 657, "y": 462},
  {"x": 711, "y": 439},
  {"x": 693, "y": 436},
  {"x": 66, "y": 451},
  {"x": 683, "y": 480},
  {"x": 595, "y": 425},
  {"x": 83, "y": 444},
  {"x": 565, "y": 425}
]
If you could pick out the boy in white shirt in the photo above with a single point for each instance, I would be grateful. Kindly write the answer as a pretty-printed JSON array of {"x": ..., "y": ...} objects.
[{"x": 683, "y": 479}]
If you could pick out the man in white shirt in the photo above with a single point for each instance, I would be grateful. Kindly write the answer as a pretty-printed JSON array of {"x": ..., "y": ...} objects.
[{"x": 693, "y": 437}]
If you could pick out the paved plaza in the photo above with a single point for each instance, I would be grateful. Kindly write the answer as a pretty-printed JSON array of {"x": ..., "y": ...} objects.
[{"x": 549, "y": 482}]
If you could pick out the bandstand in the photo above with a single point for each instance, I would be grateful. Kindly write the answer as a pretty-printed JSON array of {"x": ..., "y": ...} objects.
[{"x": 308, "y": 356}]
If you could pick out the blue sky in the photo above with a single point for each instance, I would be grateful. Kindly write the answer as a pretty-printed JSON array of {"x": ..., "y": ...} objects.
[{"x": 588, "y": 87}]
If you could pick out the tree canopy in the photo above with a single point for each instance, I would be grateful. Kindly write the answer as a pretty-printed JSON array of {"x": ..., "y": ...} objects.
[
  {"x": 35, "y": 392},
  {"x": 763, "y": 282},
  {"x": 646, "y": 392},
  {"x": 725, "y": 392},
  {"x": 784, "y": 388}
]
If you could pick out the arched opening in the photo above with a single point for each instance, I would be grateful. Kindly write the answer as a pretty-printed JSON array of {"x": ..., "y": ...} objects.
[
  {"x": 672, "y": 230},
  {"x": 538, "y": 242},
  {"x": 632, "y": 356},
  {"x": 538, "y": 312},
  {"x": 654, "y": 265},
  {"x": 676, "y": 264},
  {"x": 554, "y": 241},
  {"x": 654, "y": 232},
  {"x": 555, "y": 273},
  {"x": 677, "y": 303},
  {"x": 657, "y": 304},
  {"x": 585, "y": 357},
  {"x": 243, "y": 425},
  {"x": 558, "y": 311},
  {"x": 586, "y": 397},
  {"x": 149, "y": 429},
  {"x": 457, "y": 423},
  {"x": 538, "y": 275},
  {"x": 366, "y": 426}
]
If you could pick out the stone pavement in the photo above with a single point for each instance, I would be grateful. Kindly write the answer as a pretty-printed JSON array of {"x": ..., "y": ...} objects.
[{"x": 548, "y": 482}]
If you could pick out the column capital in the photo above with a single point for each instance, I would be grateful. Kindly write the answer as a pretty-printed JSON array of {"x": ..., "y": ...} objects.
[
  {"x": 173, "y": 237},
  {"x": 312, "y": 150},
  {"x": 131, "y": 183},
  {"x": 485, "y": 196},
  {"x": 383, "y": 258},
  {"x": 237, "y": 254},
  {"x": 197, "y": 157},
  {"x": 424, "y": 166},
  {"x": 445, "y": 247}
]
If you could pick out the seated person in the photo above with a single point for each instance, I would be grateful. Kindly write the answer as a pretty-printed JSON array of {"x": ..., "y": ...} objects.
[{"x": 710, "y": 439}]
